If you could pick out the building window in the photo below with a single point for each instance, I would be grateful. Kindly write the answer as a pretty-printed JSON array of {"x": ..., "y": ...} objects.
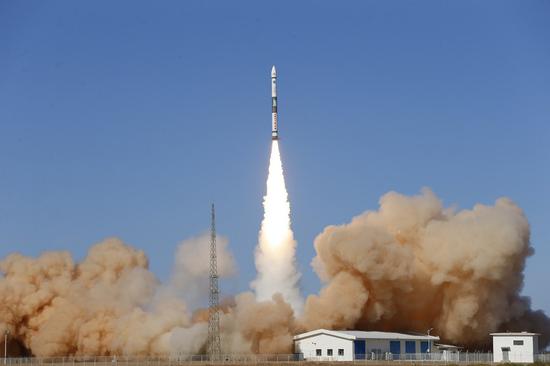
[
  {"x": 395, "y": 347},
  {"x": 329, "y": 352},
  {"x": 340, "y": 351},
  {"x": 518, "y": 343},
  {"x": 410, "y": 347},
  {"x": 318, "y": 352}
]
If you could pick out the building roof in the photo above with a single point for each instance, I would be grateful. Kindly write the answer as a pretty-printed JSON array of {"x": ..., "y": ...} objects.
[
  {"x": 442, "y": 346},
  {"x": 359, "y": 334},
  {"x": 333, "y": 333},
  {"x": 514, "y": 334}
]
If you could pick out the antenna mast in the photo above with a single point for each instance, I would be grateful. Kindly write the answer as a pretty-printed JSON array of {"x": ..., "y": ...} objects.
[{"x": 214, "y": 348}]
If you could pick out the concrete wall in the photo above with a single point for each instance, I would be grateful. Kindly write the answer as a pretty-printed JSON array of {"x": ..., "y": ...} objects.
[
  {"x": 517, "y": 353},
  {"x": 308, "y": 347}
]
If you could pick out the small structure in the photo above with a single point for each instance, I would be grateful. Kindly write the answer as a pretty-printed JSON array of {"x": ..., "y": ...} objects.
[
  {"x": 515, "y": 347},
  {"x": 447, "y": 352},
  {"x": 350, "y": 345}
]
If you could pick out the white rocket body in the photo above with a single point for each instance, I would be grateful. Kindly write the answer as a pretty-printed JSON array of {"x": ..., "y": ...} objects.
[{"x": 274, "y": 126}]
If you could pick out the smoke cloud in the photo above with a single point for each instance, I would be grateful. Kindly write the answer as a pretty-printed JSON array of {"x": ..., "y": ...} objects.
[
  {"x": 190, "y": 274},
  {"x": 56, "y": 307},
  {"x": 110, "y": 303},
  {"x": 413, "y": 265},
  {"x": 409, "y": 266}
]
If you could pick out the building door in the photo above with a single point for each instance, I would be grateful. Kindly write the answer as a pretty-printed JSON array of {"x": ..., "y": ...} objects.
[
  {"x": 360, "y": 349},
  {"x": 505, "y": 354},
  {"x": 395, "y": 349}
]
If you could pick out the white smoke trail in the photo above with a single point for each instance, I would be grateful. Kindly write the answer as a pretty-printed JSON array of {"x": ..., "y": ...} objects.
[{"x": 275, "y": 254}]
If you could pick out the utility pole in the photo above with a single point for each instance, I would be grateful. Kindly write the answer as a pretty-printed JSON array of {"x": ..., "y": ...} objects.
[
  {"x": 214, "y": 347},
  {"x": 429, "y": 342},
  {"x": 6, "y": 334}
]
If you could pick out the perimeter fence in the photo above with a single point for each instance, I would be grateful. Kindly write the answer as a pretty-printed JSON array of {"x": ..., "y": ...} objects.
[{"x": 462, "y": 358}]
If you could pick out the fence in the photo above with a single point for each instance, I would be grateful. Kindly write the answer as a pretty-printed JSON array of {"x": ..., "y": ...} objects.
[
  {"x": 463, "y": 358},
  {"x": 434, "y": 357}
]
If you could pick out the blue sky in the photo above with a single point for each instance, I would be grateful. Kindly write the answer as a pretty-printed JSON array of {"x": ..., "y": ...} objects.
[{"x": 128, "y": 118}]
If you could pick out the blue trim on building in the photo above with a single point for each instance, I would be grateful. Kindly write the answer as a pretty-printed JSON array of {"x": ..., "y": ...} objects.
[
  {"x": 359, "y": 349},
  {"x": 395, "y": 347}
]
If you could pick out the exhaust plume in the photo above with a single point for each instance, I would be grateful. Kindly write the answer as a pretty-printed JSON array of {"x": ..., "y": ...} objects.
[
  {"x": 413, "y": 265},
  {"x": 109, "y": 304},
  {"x": 409, "y": 266},
  {"x": 189, "y": 279},
  {"x": 56, "y": 307},
  {"x": 275, "y": 253}
]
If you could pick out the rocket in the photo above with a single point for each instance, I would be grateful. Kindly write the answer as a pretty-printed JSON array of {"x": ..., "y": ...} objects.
[{"x": 274, "y": 127}]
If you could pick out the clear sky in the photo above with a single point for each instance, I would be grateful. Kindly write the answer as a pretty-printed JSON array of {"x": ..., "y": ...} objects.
[{"x": 127, "y": 118}]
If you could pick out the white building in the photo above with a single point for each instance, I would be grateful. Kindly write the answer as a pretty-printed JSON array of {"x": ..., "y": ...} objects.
[
  {"x": 446, "y": 352},
  {"x": 515, "y": 347},
  {"x": 349, "y": 345}
]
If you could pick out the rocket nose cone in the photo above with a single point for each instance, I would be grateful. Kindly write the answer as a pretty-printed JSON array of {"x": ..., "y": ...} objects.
[{"x": 273, "y": 72}]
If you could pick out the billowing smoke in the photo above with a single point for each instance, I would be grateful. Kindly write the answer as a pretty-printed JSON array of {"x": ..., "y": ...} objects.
[
  {"x": 276, "y": 251},
  {"x": 413, "y": 265},
  {"x": 189, "y": 278},
  {"x": 102, "y": 305},
  {"x": 110, "y": 303},
  {"x": 409, "y": 266}
]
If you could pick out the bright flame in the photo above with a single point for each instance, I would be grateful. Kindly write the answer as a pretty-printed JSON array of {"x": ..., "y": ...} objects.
[
  {"x": 275, "y": 254},
  {"x": 276, "y": 226}
]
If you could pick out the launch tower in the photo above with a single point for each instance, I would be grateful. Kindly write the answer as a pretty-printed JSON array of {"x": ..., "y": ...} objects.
[{"x": 214, "y": 347}]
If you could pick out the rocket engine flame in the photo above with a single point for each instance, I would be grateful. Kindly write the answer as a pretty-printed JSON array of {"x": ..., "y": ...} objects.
[
  {"x": 276, "y": 229},
  {"x": 275, "y": 254}
]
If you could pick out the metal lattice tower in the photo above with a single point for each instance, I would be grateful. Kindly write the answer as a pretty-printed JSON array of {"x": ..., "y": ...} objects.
[{"x": 214, "y": 347}]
